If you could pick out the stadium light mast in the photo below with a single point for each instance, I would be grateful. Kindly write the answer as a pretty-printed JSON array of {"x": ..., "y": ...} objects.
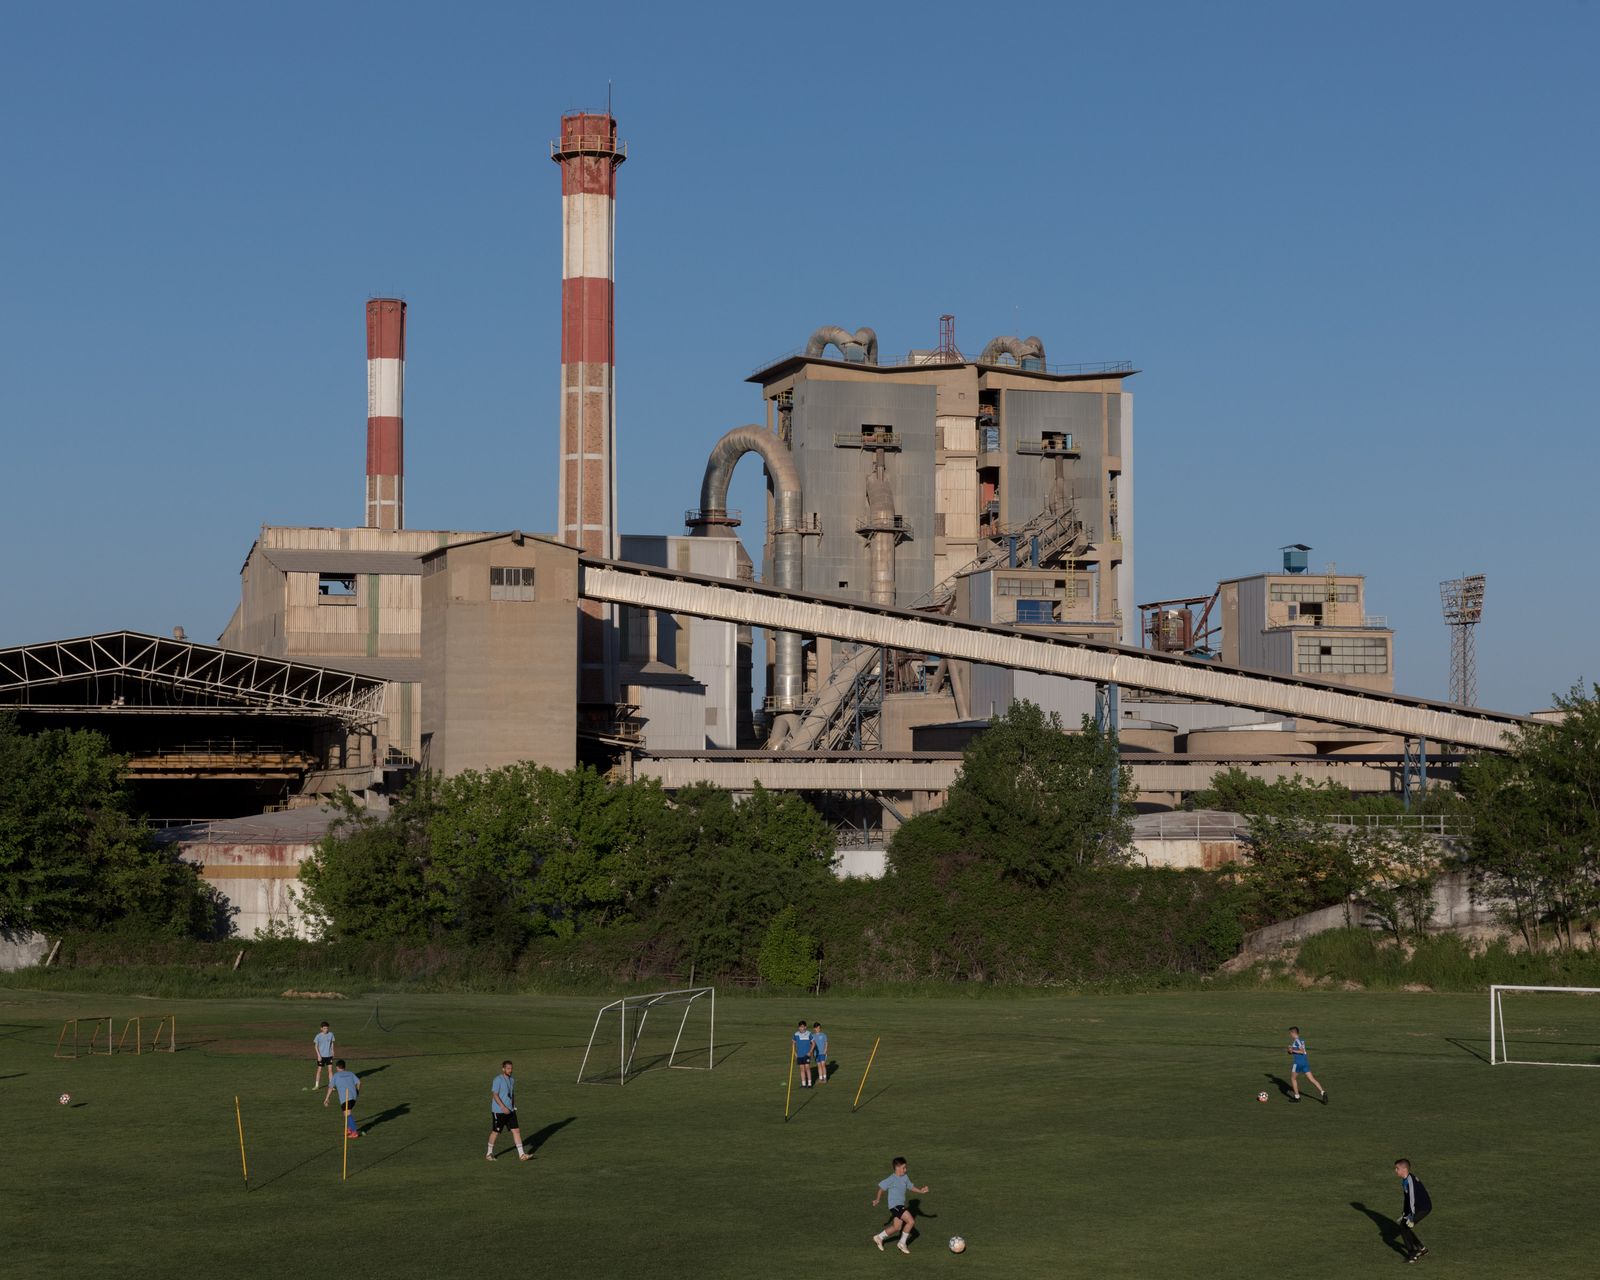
[{"x": 1462, "y": 599}]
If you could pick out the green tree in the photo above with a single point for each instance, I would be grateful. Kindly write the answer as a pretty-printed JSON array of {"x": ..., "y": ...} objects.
[
  {"x": 72, "y": 853},
  {"x": 788, "y": 956},
  {"x": 732, "y": 866},
  {"x": 366, "y": 880},
  {"x": 1535, "y": 833},
  {"x": 1040, "y": 801}
]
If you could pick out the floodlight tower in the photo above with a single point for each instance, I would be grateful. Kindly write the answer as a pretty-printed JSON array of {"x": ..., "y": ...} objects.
[{"x": 1463, "y": 610}]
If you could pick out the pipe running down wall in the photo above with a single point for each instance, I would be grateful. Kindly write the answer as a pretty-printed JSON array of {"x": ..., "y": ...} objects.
[
  {"x": 788, "y": 672},
  {"x": 860, "y": 347}
]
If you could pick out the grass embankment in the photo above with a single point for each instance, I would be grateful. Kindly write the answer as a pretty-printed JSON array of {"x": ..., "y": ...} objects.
[{"x": 1090, "y": 1135}]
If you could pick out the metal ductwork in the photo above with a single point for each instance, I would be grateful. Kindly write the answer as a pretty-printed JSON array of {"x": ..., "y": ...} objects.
[
  {"x": 860, "y": 347},
  {"x": 788, "y": 672},
  {"x": 882, "y": 538},
  {"x": 1027, "y": 352}
]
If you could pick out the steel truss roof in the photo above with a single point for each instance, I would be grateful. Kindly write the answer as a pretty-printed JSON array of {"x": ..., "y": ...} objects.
[{"x": 107, "y": 668}]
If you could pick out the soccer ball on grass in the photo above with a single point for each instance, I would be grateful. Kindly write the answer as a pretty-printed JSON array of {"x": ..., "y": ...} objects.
[
  {"x": 957, "y": 1245},
  {"x": 1262, "y": 1096},
  {"x": 64, "y": 1099}
]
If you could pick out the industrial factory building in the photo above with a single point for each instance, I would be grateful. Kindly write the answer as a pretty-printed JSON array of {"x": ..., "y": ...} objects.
[{"x": 944, "y": 533}]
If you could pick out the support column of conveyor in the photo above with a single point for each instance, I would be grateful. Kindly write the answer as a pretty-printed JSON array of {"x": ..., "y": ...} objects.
[{"x": 790, "y": 611}]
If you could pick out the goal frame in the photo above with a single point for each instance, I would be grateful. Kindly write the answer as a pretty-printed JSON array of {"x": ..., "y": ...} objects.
[
  {"x": 1497, "y": 1025},
  {"x": 626, "y": 1047}
]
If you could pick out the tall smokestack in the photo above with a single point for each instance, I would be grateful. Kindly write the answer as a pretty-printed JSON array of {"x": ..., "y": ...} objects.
[
  {"x": 386, "y": 434},
  {"x": 589, "y": 154}
]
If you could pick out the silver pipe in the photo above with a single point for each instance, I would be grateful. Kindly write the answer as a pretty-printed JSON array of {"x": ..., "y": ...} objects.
[
  {"x": 784, "y": 532},
  {"x": 880, "y": 542},
  {"x": 863, "y": 339},
  {"x": 1027, "y": 352}
]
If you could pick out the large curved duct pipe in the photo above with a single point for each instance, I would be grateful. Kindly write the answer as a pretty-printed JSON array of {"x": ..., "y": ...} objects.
[
  {"x": 788, "y": 682},
  {"x": 1027, "y": 352},
  {"x": 860, "y": 347}
]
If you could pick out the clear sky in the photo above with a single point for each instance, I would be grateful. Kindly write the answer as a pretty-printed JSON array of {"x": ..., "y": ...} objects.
[{"x": 1352, "y": 247}]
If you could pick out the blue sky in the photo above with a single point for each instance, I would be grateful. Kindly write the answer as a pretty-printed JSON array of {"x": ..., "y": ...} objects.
[{"x": 1351, "y": 247}]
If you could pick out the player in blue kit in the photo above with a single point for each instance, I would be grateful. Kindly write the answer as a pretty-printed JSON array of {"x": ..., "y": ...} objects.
[
  {"x": 802, "y": 1053},
  {"x": 1300, "y": 1065},
  {"x": 819, "y": 1051},
  {"x": 322, "y": 1051},
  {"x": 348, "y": 1086},
  {"x": 503, "y": 1110},
  {"x": 896, "y": 1185}
]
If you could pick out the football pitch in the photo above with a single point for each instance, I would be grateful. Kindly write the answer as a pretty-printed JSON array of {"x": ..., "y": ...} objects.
[{"x": 1084, "y": 1135}]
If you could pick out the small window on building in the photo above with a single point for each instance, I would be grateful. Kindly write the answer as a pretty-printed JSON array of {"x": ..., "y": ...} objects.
[
  {"x": 510, "y": 582},
  {"x": 336, "y": 587}
]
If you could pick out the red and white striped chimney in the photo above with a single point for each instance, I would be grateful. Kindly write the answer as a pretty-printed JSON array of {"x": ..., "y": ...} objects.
[
  {"x": 386, "y": 434},
  {"x": 589, "y": 154}
]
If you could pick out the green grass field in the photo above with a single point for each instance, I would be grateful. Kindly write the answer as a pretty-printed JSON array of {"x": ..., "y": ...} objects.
[{"x": 1097, "y": 1136}]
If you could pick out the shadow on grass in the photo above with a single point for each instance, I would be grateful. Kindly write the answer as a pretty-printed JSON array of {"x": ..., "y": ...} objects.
[
  {"x": 295, "y": 1168},
  {"x": 14, "y": 1075},
  {"x": 76, "y": 1105},
  {"x": 1284, "y": 1087},
  {"x": 367, "y": 1168},
  {"x": 371, "y": 1071},
  {"x": 383, "y": 1117},
  {"x": 810, "y": 1097},
  {"x": 537, "y": 1140},
  {"x": 731, "y": 1050},
  {"x": 872, "y": 1097},
  {"x": 1388, "y": 1228},
  {"x": 1467, "y": 1046}
]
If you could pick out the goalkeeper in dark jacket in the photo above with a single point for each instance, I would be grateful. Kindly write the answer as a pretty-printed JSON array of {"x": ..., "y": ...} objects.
[{"x": 1414, "y": 1207}]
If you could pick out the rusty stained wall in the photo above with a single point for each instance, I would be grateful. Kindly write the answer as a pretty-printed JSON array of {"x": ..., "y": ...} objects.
[{"x": 260, "y": 881}]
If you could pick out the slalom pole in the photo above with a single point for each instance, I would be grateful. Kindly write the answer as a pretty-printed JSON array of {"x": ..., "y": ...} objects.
[
  {"x": 344, "y": 1139},
  {"x": 789, "y": 1092},
  {"x": 237, "y": 1115},
  {"x": 863, "y": 1083}
]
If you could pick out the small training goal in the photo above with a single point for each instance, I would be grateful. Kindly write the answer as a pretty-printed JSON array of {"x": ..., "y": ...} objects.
[
  {"x": 672, "y": 1028},
  {"x": 1544, "y": 1026}
]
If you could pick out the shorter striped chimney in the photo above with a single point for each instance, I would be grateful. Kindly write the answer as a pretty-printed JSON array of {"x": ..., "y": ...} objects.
[{"x": 386, "y": 435}]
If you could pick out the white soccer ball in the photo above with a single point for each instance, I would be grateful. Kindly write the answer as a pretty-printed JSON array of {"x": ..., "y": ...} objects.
[
  {"x": 1262, "y": 1096},
  {"x": 64, "y": 1099},
  {"x": 957, "y": 1245}
]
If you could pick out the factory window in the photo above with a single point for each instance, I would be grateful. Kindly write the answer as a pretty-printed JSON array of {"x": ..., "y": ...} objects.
[
  {"x": 1342, "y": 655},
  {"x": 336, "y": 588},
  {"x": 1314, "y": 589},
  {"x": 510, "y": 583},
  {"x": 432, "y": 565}
]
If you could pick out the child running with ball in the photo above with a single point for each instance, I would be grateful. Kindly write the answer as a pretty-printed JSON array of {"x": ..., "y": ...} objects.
[{"x": 897, "y": 1184}]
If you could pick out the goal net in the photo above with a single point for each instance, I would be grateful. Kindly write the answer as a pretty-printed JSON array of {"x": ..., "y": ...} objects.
[
  {"x": 666, "y": 1028},
  {"x": 1544, "y": 1026}
]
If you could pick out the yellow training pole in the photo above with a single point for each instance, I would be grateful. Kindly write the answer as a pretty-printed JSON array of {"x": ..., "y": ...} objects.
[
  {"x": 237, "y": 1115},
  {"x": 344, "y": 1141},
  {"x": 789, "y": 1092},
  {"x": 863, "y": 1083}
]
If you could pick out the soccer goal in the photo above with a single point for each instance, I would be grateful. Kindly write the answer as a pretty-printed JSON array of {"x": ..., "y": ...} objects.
[
  {"x": 674, "y": 1027},
  {"x": 1548, "y": 1027}
]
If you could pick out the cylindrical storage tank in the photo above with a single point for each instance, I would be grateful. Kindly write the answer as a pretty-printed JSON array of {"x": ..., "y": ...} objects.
[
  {"x": 1148, "y": 735},
  {"x": 1225, "y": 741}
]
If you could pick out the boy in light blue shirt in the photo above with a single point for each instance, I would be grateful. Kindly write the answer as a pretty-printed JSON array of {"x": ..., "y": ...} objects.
[
  {"x": 819, "y": 1051},
  {"x": 347, "y": 1084},
  {"x": 897, "y": 1184},
  {"x": 322, "y": 1051}
]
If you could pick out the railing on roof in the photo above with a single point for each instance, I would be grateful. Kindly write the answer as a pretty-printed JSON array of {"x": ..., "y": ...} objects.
[{"x": 926, "y": 360}]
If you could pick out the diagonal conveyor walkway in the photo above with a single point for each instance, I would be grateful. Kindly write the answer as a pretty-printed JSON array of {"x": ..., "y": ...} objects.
[{"x": 762, "y": 606}]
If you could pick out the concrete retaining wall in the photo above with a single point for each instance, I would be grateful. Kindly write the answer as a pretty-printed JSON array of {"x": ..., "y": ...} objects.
[{"x": 21, "y": 950}]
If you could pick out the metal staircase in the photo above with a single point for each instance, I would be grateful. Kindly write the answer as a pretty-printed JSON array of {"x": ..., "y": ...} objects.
[{"x": 853, "y": 691}]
